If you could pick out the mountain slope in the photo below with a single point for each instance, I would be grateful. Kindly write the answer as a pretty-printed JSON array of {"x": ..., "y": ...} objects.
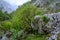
[{"x": 6, "y": 6}]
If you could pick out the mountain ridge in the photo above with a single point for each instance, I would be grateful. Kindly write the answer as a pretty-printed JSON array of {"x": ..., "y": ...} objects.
[{"x": 7, "y": 7}]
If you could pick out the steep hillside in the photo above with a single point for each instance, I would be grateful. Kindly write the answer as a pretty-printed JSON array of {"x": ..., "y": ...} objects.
[{"x": 36, "y": 20}]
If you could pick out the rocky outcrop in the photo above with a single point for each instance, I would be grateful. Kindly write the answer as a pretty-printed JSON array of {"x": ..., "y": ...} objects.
[
  {"x": 6, "y": 35},
  {"x": 52, "y": 4},
  {"x": 52, "y": 27},
  {"x": 53, "y": 37},
  {"x": 37, "y": 24},
  {"x": 55, "y": 6},
  {"x": 55, "y": 26},
  {"x": 42, "y": 3}
]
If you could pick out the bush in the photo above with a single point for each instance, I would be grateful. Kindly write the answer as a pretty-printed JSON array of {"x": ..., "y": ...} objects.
[
  {"x": 23, "y": 16},
  {"x": 6, "y": 25}
]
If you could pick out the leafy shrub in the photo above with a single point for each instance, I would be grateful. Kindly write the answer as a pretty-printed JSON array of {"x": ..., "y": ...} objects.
[
  {"x": 6, "y": 25},
  {"x": 24, "y": 15}
]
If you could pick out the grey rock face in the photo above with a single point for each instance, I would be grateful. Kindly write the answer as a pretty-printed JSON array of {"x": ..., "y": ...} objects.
[
  {"x": 52, "y": 27},
  {"x": 53, "y": 37},
  {"x": 54, "y": 4},
  {"x": 6, "y": 36},
  {"x": 54, "y": 20},
  {"x": 41, "y": 3},
  {"x": 55, "y": 26}
]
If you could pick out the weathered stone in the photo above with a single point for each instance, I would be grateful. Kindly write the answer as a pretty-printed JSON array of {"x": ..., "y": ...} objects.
[
  {"x": 53, "y": 37},
  {"x": 54, "y": 4},
  {"x": 7, "y": 35},
  {"x": 55, "y": 25},
  {"x": 52, "y": 27},
  {"x": 4, "y": 37},
  {"x": 37, "y": 23},
  {"x": 41, "y": 3}
]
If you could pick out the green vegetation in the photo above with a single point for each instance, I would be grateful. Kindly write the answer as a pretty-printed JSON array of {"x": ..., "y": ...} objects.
[
  {"x": 4, "y": 16},
  {"x": 23, "y": 16},
  {"x": 36, "y": 37},
  {"x": 45, "y": 19},
  {"x": 21, "y": 20}
]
